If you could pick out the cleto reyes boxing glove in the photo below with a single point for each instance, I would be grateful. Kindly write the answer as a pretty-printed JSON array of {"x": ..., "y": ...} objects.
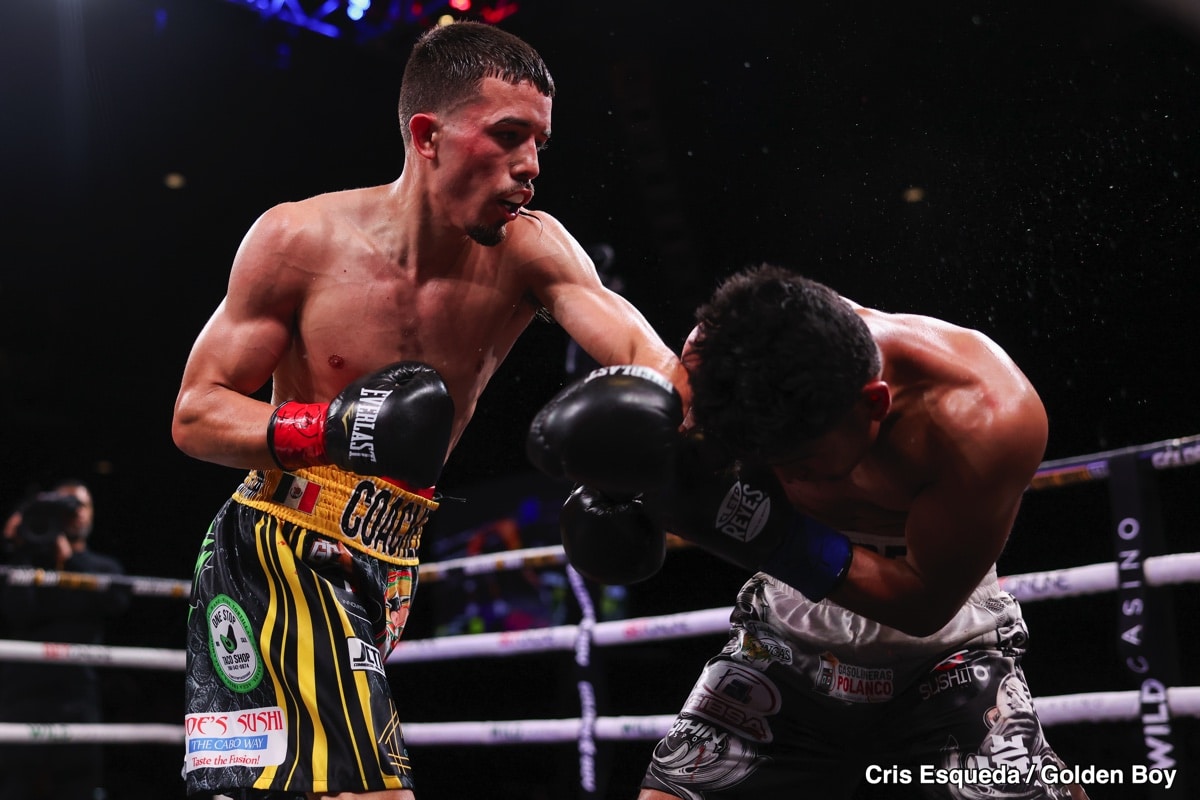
[
  {"x": 609, "y": 540},
  {"x": 614, "y": 430},
  {"x": 395, "y": 422},
  {"x": 736, "y": 511},
  {"x": 739, "y": 512}
]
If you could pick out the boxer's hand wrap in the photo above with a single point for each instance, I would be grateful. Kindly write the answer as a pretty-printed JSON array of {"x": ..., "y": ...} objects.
[
  {"x": 614, "y": 430},
  {"x": 395, "y": 422},
  {"x": 812, "y": 558},
  {"x": 611, "y": 540},
  {"x": 296, "y": 435}
]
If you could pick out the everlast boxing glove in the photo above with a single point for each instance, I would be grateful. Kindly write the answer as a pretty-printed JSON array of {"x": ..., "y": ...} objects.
[
  {"x": 614, "y": 430},
  {"x": 395, "y": 423},
  {"x": 740, "y": 513},
  {"x": 611, "y": 541}
]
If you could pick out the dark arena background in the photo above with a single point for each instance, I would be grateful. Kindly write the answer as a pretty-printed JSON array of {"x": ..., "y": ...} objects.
[{"x": 1029, "y": 169}]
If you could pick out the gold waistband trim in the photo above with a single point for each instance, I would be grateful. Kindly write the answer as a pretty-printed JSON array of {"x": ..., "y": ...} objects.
[{"x": 370, "y": 514}]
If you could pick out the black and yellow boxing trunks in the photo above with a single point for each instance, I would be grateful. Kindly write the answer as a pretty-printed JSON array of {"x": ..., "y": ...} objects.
[{"x": 301, "y": 590}]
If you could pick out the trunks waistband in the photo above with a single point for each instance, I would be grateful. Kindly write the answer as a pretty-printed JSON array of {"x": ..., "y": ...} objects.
[
  {"x": 373, "y": 515},
  {"x": 889, "y": 546}
]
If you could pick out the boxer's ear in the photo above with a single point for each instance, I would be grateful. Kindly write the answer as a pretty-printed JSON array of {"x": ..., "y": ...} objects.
[
  {"x": 425, "y": 131},
  {"x": 879, "y": 399},
  {"x": 689, "y": 355}
]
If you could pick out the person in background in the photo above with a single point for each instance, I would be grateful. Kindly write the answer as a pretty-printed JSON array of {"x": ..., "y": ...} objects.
[{"x": 50, "y": 531}]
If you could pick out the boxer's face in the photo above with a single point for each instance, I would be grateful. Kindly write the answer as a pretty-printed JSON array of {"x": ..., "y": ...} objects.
[
  {"x": 834, "y": 455},
  {"x": 487, "y": 156},
  {"x": 831, "y": 457}
]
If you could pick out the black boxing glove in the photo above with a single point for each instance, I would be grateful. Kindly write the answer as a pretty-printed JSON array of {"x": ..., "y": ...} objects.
[
  {"x": 395, "y": 422},
  {"x": 739, "y": 512},
  {"x": 611, "y": 541},
  {"x": 614, "y": 430}
]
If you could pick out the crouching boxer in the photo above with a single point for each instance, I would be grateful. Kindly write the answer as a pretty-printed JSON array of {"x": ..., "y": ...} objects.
[
  {"x": 616, "y": 433},
  {"x": 868, "y": 469}
]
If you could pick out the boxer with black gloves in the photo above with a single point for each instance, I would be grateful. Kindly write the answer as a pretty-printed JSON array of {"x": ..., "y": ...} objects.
[
  {"x": 611, "y": 540},
  {"x": 305, "y": 577},
  {"x": 914, "y": 439},
  {"x": 615, "y": 432},
  {"x": 394, "y": 422},
  {"x": 870, "y": 467},
  {"x": 346, "y": 507}
]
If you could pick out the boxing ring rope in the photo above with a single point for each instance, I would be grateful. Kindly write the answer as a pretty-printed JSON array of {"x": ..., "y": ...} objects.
[
  {"x": 1097, "y": 707},
  {"x": 1109, "y": 706},
  {"x": 1123, "y": 706},
  {"x": 1052, "y": 584},
  {"x": 1088, "y": 707},
  {"x": 1168, "y": 570}
]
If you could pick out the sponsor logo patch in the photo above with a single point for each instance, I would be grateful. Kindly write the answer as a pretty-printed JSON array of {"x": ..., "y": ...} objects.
[
  {"x": 252, "y": 737},
  {"x": 743, "y": 512},
  {"x": 759, "y": 646},
  {"x": 853, "y": 683},
  {"x": 953, "y": 672},
  {"x": 736, "y": 697},
  {"x": 364, "y": 656},
  {"x": 232, "y": 645},
  {"x": 695, "y": 754}
]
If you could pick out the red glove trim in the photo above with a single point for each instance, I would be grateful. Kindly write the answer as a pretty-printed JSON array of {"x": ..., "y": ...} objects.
[
  {"x": 420, "y": 491},
  {"x": 296, "y": 435}
]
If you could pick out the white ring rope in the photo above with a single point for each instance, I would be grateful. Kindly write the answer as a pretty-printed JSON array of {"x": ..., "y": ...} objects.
[
  {"x": 1181, "y": 701},
  {"x": 1165, "y": 570},
  {"x": 1177, "y": 568},
  {"x": 1059, "y": 710},
  {"x": 1068, "y": 582},
  {"x": 81, "y": 732},
  {"x": 1168, "y": 570},
  {"x": 95, "y": 654}
]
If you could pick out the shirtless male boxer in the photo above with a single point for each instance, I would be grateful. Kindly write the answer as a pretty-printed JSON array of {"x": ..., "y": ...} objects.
[
  {"x": 868, "y": 467},
  {"x": 377, "y": 315}
]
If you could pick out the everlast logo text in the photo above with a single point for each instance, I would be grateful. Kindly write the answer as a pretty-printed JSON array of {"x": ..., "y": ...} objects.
[
  {"x": 387, "y": 522},
  {"x": 366, "y": 411},
  {"x": 645, "y": 373}
]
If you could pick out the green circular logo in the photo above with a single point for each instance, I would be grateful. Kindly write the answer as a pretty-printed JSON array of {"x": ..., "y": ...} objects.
[{"x": 232, "y": 646}]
